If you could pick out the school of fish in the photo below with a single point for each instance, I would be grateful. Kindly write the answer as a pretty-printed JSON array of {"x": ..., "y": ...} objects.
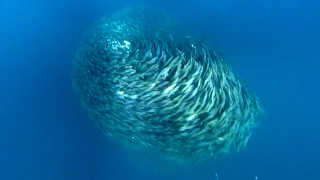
[{"x": 148, "y": 84}]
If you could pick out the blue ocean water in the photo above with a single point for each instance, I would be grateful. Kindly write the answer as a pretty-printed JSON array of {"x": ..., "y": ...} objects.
[{"x": 46, "y": 134}]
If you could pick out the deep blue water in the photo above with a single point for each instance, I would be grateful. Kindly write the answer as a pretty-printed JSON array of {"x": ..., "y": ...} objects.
[{"x": 46, "y": 134}]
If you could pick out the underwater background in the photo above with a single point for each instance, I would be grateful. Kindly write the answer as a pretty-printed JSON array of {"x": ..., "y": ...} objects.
[{"x": 46, "y": 134}]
